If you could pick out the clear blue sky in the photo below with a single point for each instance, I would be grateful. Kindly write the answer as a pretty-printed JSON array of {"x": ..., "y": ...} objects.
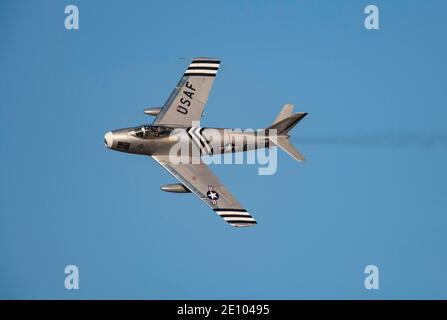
[{"x": 66, "y": 199}]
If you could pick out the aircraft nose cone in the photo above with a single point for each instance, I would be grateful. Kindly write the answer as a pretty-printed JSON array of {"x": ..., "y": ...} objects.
[{"x": 108, "y": 139}]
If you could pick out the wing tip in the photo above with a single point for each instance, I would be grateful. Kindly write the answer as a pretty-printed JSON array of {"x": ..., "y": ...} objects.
[
  {"x": 203, "y": 67},
  {"x": 243, "y": 225},
  {"x": 210, "y": 59},
  {"x": 236, "y": 217}
]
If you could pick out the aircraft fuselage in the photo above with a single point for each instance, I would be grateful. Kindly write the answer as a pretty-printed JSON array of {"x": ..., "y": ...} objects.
[{"x": 161, "y": 140}]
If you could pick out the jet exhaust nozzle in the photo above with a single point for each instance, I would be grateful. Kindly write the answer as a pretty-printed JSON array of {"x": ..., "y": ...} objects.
[
  {"x": 152, "y": 111},
  {"x": 176, "y": 187}
]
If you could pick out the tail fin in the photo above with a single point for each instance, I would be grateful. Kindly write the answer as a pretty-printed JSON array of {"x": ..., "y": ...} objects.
[{"x": 284, "y": 122}]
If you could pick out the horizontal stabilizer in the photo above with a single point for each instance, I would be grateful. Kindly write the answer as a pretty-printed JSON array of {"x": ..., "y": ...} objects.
[
  {"x": 285, "y": 125},
  {"x": 286, "y": 112},
  {"x": 284, "y": 143}
]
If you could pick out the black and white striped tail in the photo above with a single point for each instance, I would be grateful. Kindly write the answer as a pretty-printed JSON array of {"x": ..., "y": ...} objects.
[
  {"x": 236, "y": 217},
  {"x": 203, "y": 67}
]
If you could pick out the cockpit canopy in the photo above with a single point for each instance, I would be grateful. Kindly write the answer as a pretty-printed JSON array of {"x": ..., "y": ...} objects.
[{"x": 152, "y": 131}]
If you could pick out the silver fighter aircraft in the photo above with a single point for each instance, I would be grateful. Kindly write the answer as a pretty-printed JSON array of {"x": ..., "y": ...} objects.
[{"x": 180, "y": 116}]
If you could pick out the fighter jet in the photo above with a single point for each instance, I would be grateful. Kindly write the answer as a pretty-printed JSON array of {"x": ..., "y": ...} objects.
[{"x": 177, "y": 123}]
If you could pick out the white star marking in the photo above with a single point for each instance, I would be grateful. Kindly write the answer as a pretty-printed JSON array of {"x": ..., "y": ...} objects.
[{"x": 212, "y": 195}]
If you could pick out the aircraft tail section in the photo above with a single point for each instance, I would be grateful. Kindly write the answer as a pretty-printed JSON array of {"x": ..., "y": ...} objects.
[{"x": 283, "y": 123}]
